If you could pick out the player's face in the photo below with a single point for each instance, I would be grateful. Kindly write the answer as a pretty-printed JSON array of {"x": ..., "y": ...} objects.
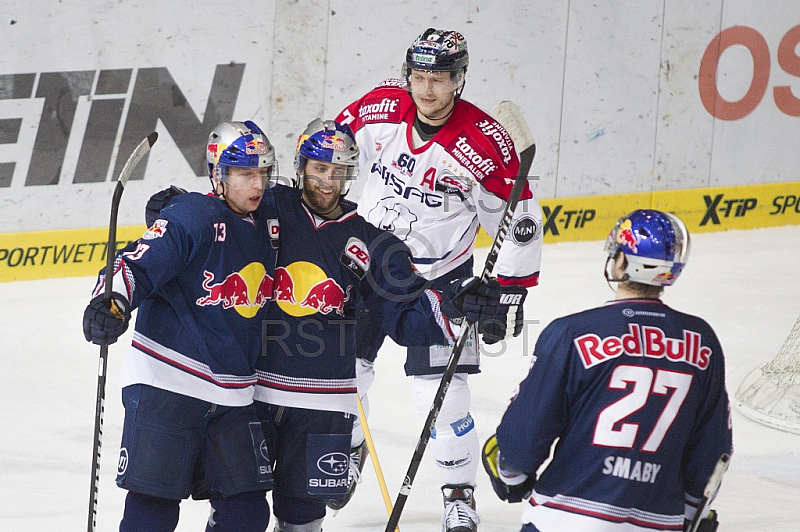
[
  {"x": 244, "y": 187},
  {"x": 432, "y": 92},
  {"x": 322, "y": 185}
]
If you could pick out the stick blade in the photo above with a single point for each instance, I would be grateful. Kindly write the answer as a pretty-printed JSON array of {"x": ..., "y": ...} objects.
[
  {"x": 510, "y": 117},
  {"x": 140, "y": 151}
]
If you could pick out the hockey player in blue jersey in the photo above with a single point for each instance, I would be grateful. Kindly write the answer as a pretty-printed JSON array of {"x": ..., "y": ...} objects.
[
  {"x": 329, "y": 256},
  {"x": 188, "y": 379},
  {"x": 634, "y": 392}
]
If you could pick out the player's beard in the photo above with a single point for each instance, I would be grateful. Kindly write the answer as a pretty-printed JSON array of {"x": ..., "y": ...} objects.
[{"x": 321, "y": 204}]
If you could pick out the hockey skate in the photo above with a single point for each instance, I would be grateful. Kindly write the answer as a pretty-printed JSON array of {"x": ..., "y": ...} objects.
[
  {"x": 358, "y": 455},
  {"x": 459, "y": 509}
]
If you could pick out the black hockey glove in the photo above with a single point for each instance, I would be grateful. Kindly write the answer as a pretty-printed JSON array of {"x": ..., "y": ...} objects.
[
  {"x": 102, "y": 325},
  {"x": 707, "y": 524},
  {"x": 507, "y": 492},
  {"x": 509, "y": 314},
  {"x": 469, "y": 298},
  {"x": 158, "y": 201}
]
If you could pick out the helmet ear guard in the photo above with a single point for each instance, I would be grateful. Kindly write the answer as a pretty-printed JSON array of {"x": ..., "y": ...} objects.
[{"x": 655, "y": 245}]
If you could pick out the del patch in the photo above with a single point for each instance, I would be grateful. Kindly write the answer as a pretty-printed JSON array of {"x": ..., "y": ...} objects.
[{"x": 356, "y": 257}]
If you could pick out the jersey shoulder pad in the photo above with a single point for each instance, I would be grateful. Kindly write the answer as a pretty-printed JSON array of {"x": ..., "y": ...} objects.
[
  {"x": 488, "y": 132},
  {"x": 484, "y": 148},
  {"x": 190, "y": 213},
  {"x": 387, "y": 104}
]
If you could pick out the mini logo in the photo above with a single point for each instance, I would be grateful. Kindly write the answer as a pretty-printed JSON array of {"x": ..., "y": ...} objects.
[
  {"x": 335, "y": 464},
  {"x": 122, "y": 464},
  {"x": 525, "y": 230},
  {"x": 628, "y": 313}
]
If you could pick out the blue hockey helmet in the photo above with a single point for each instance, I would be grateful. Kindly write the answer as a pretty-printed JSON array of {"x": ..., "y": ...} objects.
[
  {"x": 656, "y": 246},
  {"x": 330, "y": 142},
  {"x": 240, "y": 144}
]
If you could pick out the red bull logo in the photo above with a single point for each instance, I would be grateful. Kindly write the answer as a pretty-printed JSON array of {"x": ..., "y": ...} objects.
[
  {"x": 626, "y": 237},
  {"x": 158, "y": 230},
  {"x": 666, "y": 278},
  {"x": 303, "y": 288},
  {"x": 333, "y": 143},
  {"x": 264, "y": 291},
  {"x": 246, "y": 291},
  {"x": 327, "y": 296},
  {"x": 255, "y": 147},
  {"x": 283, "y": 286},
  {"x": 213, "y": 152}
]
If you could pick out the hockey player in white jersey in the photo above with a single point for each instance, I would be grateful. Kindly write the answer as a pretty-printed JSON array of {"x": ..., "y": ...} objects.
[
  {"x": 634, "y": 392},
  {"x": 436, "y": 169}
]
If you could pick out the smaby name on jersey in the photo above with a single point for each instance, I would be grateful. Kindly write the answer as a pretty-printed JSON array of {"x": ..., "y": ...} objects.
[
  {"x": 643, "y": 341},
  {"x": 620, "y": 466}
]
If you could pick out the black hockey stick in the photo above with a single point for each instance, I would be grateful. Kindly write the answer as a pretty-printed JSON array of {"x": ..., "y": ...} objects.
[
  {"x": 111, "y": 247},
  {"x": 526, "y": 158},
  {"x": 710, "y": 490}
]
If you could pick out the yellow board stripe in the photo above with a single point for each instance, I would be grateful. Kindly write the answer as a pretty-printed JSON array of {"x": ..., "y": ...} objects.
[
  {"x": 64, "y": 253},
  {"x": 80, "y": 252},
  {"x": 701, "y": 209}
]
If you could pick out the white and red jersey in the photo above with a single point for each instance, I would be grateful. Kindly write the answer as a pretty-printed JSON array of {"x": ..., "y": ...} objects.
[{"x": 435, "y": 197}]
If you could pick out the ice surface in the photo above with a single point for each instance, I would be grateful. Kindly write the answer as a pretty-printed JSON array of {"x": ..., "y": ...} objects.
[{"x": 745, "y": 283}]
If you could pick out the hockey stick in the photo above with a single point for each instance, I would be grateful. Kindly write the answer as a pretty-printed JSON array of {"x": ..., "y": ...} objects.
[
  {"x": 710, "y": 490},
  {"x": 519, "y": 132},
  {"x": 111, "y": 246},
  {"x": 387, "y": 501}
]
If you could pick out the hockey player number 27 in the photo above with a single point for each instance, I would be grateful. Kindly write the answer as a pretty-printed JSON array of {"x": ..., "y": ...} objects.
[{"x": 643, "y": 384}]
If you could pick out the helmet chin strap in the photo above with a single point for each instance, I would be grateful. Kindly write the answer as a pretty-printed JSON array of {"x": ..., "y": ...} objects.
[{"x": 609, "y": 278}]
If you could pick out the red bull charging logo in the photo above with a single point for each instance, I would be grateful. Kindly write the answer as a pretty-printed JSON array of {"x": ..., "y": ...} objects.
[
  {"x": 246, "y": 291},
  {"x": 626, "y": 237},
  {"x": 302, "y": 289}
]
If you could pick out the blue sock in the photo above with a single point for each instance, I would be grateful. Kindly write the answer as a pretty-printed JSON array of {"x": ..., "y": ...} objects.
[
  {"x": 144, "y": 513},
  {"x": 246, "y": 512}
]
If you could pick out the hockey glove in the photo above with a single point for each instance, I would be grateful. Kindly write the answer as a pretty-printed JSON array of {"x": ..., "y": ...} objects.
[
  {"x": 103, "y": 324},
  {"x": 509, "y": 315},
  {"x": 511, "y": 487},
  {"x": 158, "y": 201},
  {"x": 469, "y": 298},
  {"x": 707, "y": 524}
]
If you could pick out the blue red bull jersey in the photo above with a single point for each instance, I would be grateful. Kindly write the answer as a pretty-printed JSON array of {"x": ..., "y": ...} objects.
[
  {"x": 634, "y": 391},
  {"x": 323, "y": 267},
  {"x": 200, "y": 278}
]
